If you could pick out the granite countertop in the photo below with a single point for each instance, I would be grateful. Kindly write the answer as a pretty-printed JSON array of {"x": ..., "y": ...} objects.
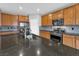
[{"x": 74, "y": 34}]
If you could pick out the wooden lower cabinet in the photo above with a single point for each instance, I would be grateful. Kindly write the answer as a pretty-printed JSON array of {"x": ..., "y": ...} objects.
[
  {"x": 77, "y": 42},
  {"x": 69, "y": 40},
  {"x": 46, "y": 35}
]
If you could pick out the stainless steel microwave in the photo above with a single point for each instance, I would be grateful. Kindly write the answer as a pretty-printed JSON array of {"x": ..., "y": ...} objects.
[{"x": 58, "y": 22}]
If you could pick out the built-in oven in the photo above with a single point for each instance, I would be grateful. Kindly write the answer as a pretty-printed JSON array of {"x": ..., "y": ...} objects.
[{"x": 58, "y": 22}]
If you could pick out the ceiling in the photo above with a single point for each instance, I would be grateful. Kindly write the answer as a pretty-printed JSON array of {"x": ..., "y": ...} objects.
[{"x": 31, "y": 8}]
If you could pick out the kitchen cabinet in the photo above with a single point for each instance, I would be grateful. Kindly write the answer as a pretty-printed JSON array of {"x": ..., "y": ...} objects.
[
  {"x": 50, "y": 18},
  {"x": 58, "y": 15},
  {"x": 54, "y": 16},
  {"x": 14, "y": 20},
  {"x": 0, "y": 19},
  {"x": 77, "y": 42},
  {"x": 44, "y": 20},
  {"x": 4, "y": 20},
  {"x": 8, "y": 41},
  {"x": 69, "y": 16},
  {"x": 69, "y": 40},
  {"x": 45, "y": 34},
  {"x": 23, "y": 18},
  {"x": 77, "y": 14},
  {"x": 9, "y": 20}
]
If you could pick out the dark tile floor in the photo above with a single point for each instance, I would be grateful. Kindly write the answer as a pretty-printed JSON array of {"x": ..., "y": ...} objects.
[{"x": 37, "y": 48}]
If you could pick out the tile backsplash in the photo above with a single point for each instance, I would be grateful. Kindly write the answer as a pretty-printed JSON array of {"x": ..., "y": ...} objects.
[
  {"x": 8, "y": 28},
  {"x": 72, "y": 29},
  {"x": 67, "y": 29}
]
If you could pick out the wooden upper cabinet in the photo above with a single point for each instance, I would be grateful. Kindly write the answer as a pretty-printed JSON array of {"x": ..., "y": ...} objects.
[
  {"x": 0, "y": 19},
  {"x": 77, "y": 14},
  {"x": 23, "y": 18},
  {"x": 54, "y": 16},
  {"x": 69, "y": 16},
  {"x": 14, "y": 20},
  {"x": 5, "y": 20},
  {"x": 50, "y": 18},
  {"x": 9, "y": 20},
  {"x": 44, "y": 21},
  {"x": 58, "y": 15},
  {"x": 69, "y": 40},
  {"x": 45, "y": 34}
]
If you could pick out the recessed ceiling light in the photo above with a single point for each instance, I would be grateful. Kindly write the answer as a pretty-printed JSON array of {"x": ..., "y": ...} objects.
[
  {"x": 20, "y": 7},
  {"x": 38, "y": 9}
]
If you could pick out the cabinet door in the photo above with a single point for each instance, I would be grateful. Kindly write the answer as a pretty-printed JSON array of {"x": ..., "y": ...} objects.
[
  {"x": 77, "y": 42},
  {"x": 4, "y": 19},
  {"x": 77, "y": 14},
  {"x": 59, "y": 14},
  {"x": 44, "y": 20},
  {"x": 14, "y": 20},
  {"x": 69, "y": 40},
  {"x": 54, "y": 16},
  {"x": 69, "y": 16},
  {"x": 23, "y": 18},
  {"x": 45, "y": 34},
  {"x": 0, "y": 19},
  {"x": 9, "y": 20},
  {"x": 50, "y": 18}
]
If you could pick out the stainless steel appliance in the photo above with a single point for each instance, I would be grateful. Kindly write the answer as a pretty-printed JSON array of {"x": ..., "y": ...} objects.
[
  {"x": 24, "y": 29},
  {"x": 58, "y": 22}
]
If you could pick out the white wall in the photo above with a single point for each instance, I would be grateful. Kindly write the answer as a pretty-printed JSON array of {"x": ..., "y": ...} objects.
[{"x": 35, "y": 22}]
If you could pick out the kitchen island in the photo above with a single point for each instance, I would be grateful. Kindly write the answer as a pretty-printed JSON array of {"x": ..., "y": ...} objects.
[{"x": 8, "y": 39}]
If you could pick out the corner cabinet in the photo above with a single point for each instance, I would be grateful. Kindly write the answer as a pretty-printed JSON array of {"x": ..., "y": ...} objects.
[{"x": 69, "y": 16}]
